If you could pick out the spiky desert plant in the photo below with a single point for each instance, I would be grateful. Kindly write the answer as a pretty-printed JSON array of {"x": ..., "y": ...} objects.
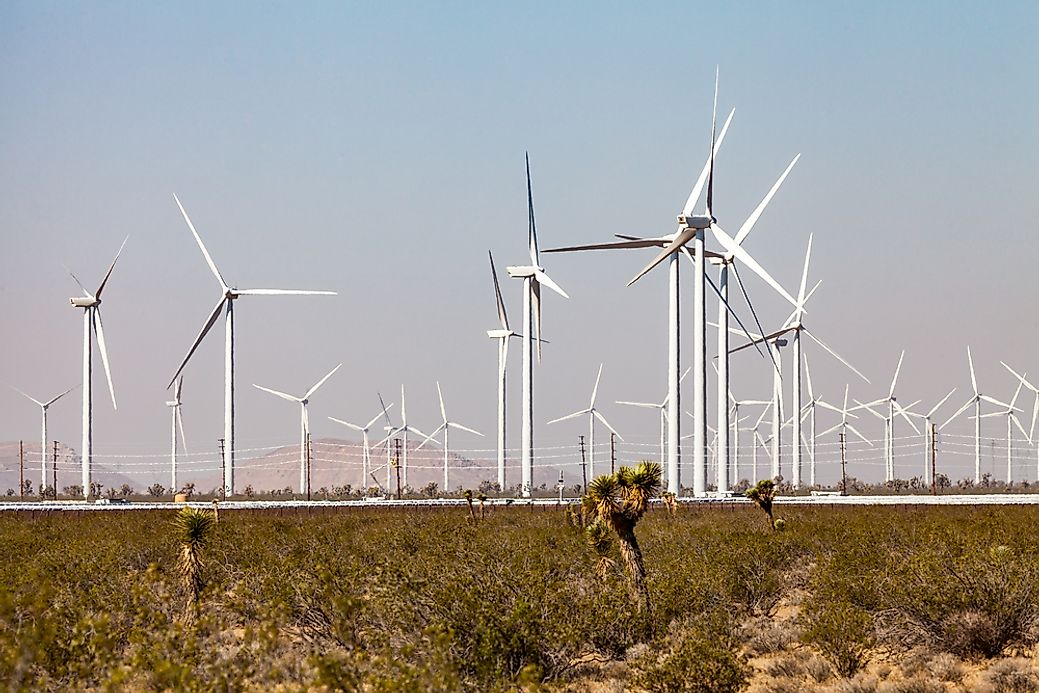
[
  {"x": 669, "y": 502},
  {"x": 483, "y": 499},
  {"x": 194, "y": 527},
  {"x": 468, "y": 495},
  {"x": 599, "y": 537},
  {"x": 619, "y": 501},
  {"x": 763, "y": 495}
]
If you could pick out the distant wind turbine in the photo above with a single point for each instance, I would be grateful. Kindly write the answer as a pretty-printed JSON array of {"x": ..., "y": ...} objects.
[
  {"x": 1011, "y": 420},
  {"x": 446, "y": 426},
  {"x": 177, "y": 422},
  {"x": 304, "y": 424},
  {"x": 366, "y": 452},
  {"x": 44, "y": 406},
  {"x": 91, "y": 305},
  {"x": 228, "y": 295},
  {"x": 503, "y": 336},
  {"x": 593, "y": 414},
  {"x": 1035, "y": 410}
]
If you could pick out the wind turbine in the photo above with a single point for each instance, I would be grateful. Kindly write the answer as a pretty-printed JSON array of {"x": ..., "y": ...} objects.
[
  {"x": 844, "y": 426},
  {"x": 366, "y": 452},
  {"x": 1035, "y": 410},
  {"x": 177, "y": 422},
  {"x": 44, "y": 406},
  {"x": 735, "y": 411},
  {"x": 795, "y": 326},
  {"x": 976, "y": 400},
  {"x": 228, "y": 295},
  {"x": 593, "y": 414},
  {"x": 446, "y": 427},
  {"x": 502, "y": 335},
  {"x": 404, "y": 428},
  {"x": 889, "y": 421},
  {"x": 533, "y": 276},
  {"x": 91, "y": 305},
  {"x": 662, "y": 408},
  {"x": 928, "y": 446},
  {"x": 304, "y": 424},
  {"x": 1011, "y": 419}
]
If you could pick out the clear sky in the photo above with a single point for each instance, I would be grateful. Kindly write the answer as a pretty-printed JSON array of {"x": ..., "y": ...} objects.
[{"x": 376, "y": 149}]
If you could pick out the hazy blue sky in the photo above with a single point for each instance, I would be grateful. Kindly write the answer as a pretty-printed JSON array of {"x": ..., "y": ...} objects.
[{"x": 377, "y": 149}]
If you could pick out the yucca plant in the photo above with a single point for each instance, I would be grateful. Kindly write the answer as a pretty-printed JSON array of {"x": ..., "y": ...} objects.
[
  {"x": 619, "y": 501},
  {"x": 599, "y": 537},
  {"x": 763, "y": 494},
  {"x": 194, "y": 527},
  {"x": 468, "y": 495},
  {"x": 483, "y": 499}
]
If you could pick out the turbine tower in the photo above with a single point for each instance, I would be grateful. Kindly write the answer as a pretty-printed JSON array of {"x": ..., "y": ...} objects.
[
  {"x": 976, "y": 399},
  {"x": 533, "y": 276},
  {"x": 44, "y": 406},
  {"x": 304, "y": 424},
  {"x": 1035, "y": 411},
  {"x": 593, "y": 414},
  {"x": 366, "y": 452},
  {"x": 91, "y": 305},
  {"x": 1011, "y": 420},
  {"x": 502, "y": 335},
  {"x": 889, "y": 421},
  {"x": 177, "y": 422},
  {"x": 446, "y": 427},
  {"x": 225, "y": 305}
]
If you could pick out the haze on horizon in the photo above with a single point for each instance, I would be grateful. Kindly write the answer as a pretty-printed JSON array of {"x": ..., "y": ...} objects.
[{"x": 377, "y": 150}]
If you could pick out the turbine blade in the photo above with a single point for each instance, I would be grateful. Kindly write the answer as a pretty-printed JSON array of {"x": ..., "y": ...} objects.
[
  {"x": 993, "y": 400},
  {"x": 748, "y": 225},
  {"x": 728, "y": 308},
  {"x": 385, "y": 409},
  {"x": 606, "y": 423},
  {"x": 1021, "y": 428},
  {"x": 804, "y": 280},
  {"x": 443, "y": 410},
  {"x": 321, "y": 382},
  {"x": 958, "y": 412},
  {"x": 460, "y": 427},
  {"x": 973, "y": 380},
  {"x": 543, "y": 278},
  {"x": 535, "y": 304},
  {"x": 570, "y": 416},
  {"x": 52, "y": 400},
  {"x": 202, "y": 246},
  {"x": 595, "y": 389},
  {"x": 903, "y": 413},
  {"x": 1017, "y": 392},
  {"x": 101, "y": 286},
  {"x": 33, "y": 399},
  {"x": 714, "y": 130},
  {"x": 681, "y": 239},
  {"x": 198, "y": 340},
  {"x": 644, "y": 405},
  {"x": 754, "y": 314},
  {"x": 808, "y": 377},
  {"x": 1020, "y": 377},
  {"x": 430, "y": 436},
  {"x": 856, "y": 432},
  {"x": 180, "y": 426},
  {"x": 743, "y": 256},
  {"x": 502, "y": 317},
  {"x": 891, "y": 392},
  {"x": 829, "y": 430},
  {"x": 375, "y": 418},
  {"x": 79, "y": 283},
  {"x": 283, "y": 292},
  {"x": 283, "y": 395},
  {"x": 100, "y": 331},
  {"x": 532, "y": 231},
  {"x": 833, "y": 353},
  {"x": 938, "y": 406},
  {"x": 613, "y": 245},
  {"x": 694, "y": 194},
  {"x": 348, "y": 424}
]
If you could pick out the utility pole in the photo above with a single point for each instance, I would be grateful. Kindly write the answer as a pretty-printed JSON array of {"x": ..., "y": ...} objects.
[
  {"x": 396, "y": 463},
  {"x": 308, "y": 466},
  {"x": 934, "y": 458},
  {"x": 613, "y": 454},
  {"x": 21, "y": 470},
  {"x": 54, "y": 471},
  {"x": 844, "y": 466},
  {"x": 223, "y": 472},
  {"x": 584, "y": 468}
]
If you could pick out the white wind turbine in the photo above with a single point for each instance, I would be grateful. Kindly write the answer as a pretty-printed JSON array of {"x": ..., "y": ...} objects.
[
  {"x": 795, "y": 326},
  {"x": 91, "y": 305},
  {"x": 1011, "y": 420},
  {"x": 844, "y": 426},
  {"x": 304, "y": 424},
  {"x": 662, "y": 408},
  {"x": 44, "y": 406},
  {"x": 928, "y": 447},
  {"x": 593, "y": 414},
  {"x": 1035, "y": 410},
  {"x": 735, "y": 412},
  {"x": 228, "y": 295},
  {"x": 889, "y": 421},
  {"x": 976, "y": 399},
  {"x": 177, "y": 422},
  {"x": 502, "y": 335},
  {"x": 366, "y": 452},
  {"x": 533, "y": 276},
  {"x": 404, "y": 429},
  {"x": 446, "y": 426}
]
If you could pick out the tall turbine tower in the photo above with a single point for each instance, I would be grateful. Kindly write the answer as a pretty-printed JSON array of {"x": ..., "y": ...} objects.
[
  {"x": 91, "y": 305},
  {"x": 225, "y": 305},
  {"x": 533, "y": 276},
  {"x": 503, "y": 336},
  {"x": 304, "y": 424},
  {"x": 44, "y": 406},
  {"x": 176, "y": 422}
]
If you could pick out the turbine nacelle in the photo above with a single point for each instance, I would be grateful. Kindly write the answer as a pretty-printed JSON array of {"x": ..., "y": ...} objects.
[
  {"x": 501, "y": 334},
  {"x": 521, "y": 271},
  {"x": 696, "y": 221},
  {"x": 84, "y": 301}
]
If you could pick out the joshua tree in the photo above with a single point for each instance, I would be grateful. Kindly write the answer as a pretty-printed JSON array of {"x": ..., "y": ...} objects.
[
  {"x": 763, "y": 494},
  {"x": 483, "y": 499},
  {"x": 619, "y": 501},
  {"x": 669, "y": 502},
  {"x": 194, "y": 527},
  {"x": 468, "y": 495},
  {"x": 599, "y": 538}
]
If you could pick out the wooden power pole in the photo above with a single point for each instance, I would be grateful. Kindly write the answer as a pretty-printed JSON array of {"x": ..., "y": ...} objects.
[{"x": 584, "y": 468}]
